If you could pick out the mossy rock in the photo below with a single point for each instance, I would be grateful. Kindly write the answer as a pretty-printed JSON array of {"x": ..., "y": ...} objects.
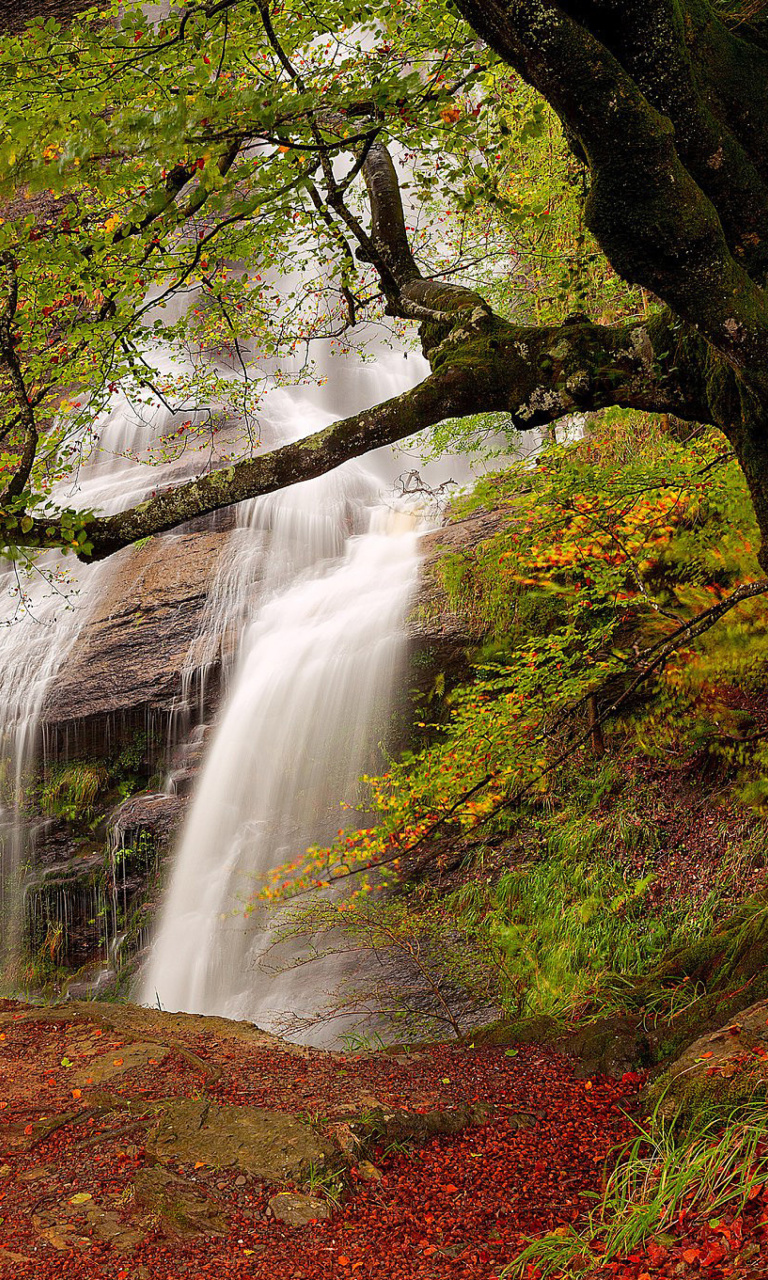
[
  {"x": 608, "y": 1046},
  {"x": 270, "y": 1145},
  {"x": 539, "y": 1030},
  {"x": 183, "y": 1210},
  {"x": 722, "y": 1068}
]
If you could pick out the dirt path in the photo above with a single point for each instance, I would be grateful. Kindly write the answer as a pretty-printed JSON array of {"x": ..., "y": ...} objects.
[{"x": 144, "y": 1146}]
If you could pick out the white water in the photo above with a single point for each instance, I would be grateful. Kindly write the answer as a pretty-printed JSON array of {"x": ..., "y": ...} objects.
[
  {"x": 44, "y": 608},
  {"x": 312, "y": 599}
]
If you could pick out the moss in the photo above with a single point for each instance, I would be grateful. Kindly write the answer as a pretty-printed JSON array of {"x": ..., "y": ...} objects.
[{"x": 690, "y": 1097}]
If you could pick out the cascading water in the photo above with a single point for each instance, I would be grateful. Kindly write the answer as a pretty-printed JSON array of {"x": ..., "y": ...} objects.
[
  {"x": 43, "y": 610},
  {"x": 318, "y": 585}
]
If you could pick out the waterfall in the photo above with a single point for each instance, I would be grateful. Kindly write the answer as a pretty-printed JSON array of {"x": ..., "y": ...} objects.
[
  {"x": 44, "y": 605},
  {"x": 316, "y": 591}
]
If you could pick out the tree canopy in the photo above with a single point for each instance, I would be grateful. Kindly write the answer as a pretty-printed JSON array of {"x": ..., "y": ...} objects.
[{"x": 203, "y": 155}]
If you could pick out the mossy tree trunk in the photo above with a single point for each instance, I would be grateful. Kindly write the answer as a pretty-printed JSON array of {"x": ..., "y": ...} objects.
[{"x": 667, "y": 105}]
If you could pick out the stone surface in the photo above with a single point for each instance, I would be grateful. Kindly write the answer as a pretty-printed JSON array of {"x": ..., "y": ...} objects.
[
  {"x": 130, "y": 654},
  {"x": 271, "y": 1145},
  {"x": 434, "y": 623},
  {"x": 153, "y": 814},
  {"x": 728, "y": 1065},
  {"x": 183, "y": 1210},
  {"x": 116, "y": 1062},
  {"x": 297, "y": 1210}
]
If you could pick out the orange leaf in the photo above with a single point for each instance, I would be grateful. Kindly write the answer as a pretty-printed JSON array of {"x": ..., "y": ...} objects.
[
  {"x": 343, "y": 1262},
  {"x": 117, "y": 1062},
  {"x": 691, "y": 1255},
  {"x": 77, "y": 1093}
]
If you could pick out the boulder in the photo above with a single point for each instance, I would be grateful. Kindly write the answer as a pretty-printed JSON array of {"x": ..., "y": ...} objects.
[{"x": 297, "y": 1210}]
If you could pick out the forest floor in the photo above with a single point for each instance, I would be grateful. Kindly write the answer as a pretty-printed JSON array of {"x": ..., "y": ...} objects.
[{"x": 131, "y": 1148}]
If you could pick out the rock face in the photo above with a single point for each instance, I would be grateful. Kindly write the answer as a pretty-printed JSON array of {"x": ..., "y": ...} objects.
[
  {"x": 121, "y": 691},
  {"x": 128, "y": 663}
]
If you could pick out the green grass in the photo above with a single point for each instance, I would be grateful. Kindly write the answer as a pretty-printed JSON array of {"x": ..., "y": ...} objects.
[
  {"x": 71, "y": 791},
  {"x": 665, "y": 1175},
  {"x": 573, "y": 922}
]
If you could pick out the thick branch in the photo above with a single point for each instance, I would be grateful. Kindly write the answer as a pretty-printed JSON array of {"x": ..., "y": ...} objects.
[
  {"x": 25, "y": 403},
  {"x": 537, "y": 375},
  {"x": 651, "y": 218},
  {"x": 414, "y": 295}
]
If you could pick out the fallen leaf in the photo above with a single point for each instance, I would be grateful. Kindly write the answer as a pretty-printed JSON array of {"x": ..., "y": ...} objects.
[{"x": 81, "y": 1197}]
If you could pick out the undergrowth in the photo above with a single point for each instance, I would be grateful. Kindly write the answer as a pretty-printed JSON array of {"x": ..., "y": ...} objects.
[{"x": 665, "y": 1177}]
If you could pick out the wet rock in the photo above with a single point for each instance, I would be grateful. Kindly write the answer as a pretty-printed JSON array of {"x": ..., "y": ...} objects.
[
  {"x": 132, "y": 649},
  {"x": 183, "y": 1210},
  {"x": 729, "y": 1065},
  {"x": 150, "y": 813},
  {"x": 297, "y": 1210},
  {"x": 270, "y": 1145}
]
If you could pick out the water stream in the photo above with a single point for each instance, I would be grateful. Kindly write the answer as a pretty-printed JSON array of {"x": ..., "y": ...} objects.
[
  {"x": 44, "y": 607},
  {"x": 308, "y": 611}
]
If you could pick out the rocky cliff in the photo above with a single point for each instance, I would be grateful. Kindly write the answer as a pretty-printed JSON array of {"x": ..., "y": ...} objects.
[{"x": 117, "y": 724}]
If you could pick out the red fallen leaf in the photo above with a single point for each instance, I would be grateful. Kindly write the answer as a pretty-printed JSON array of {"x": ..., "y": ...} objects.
[
  {"x": 657, "y": 1253},
  {"x": 716, "y": 1254},
  {"x": 450, "y": 1187},
  {"x": 720, "y": 1230},
  {"x": 342, "y": 1261},
  {"x": 691, "y": 1255}
]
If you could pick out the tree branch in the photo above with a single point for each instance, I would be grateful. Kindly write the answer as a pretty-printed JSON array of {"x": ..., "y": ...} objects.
[
  {"x": 484, "y": 365},
  {"x": 25, "y": 402},
  {"x": 651, "y": 218}
]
